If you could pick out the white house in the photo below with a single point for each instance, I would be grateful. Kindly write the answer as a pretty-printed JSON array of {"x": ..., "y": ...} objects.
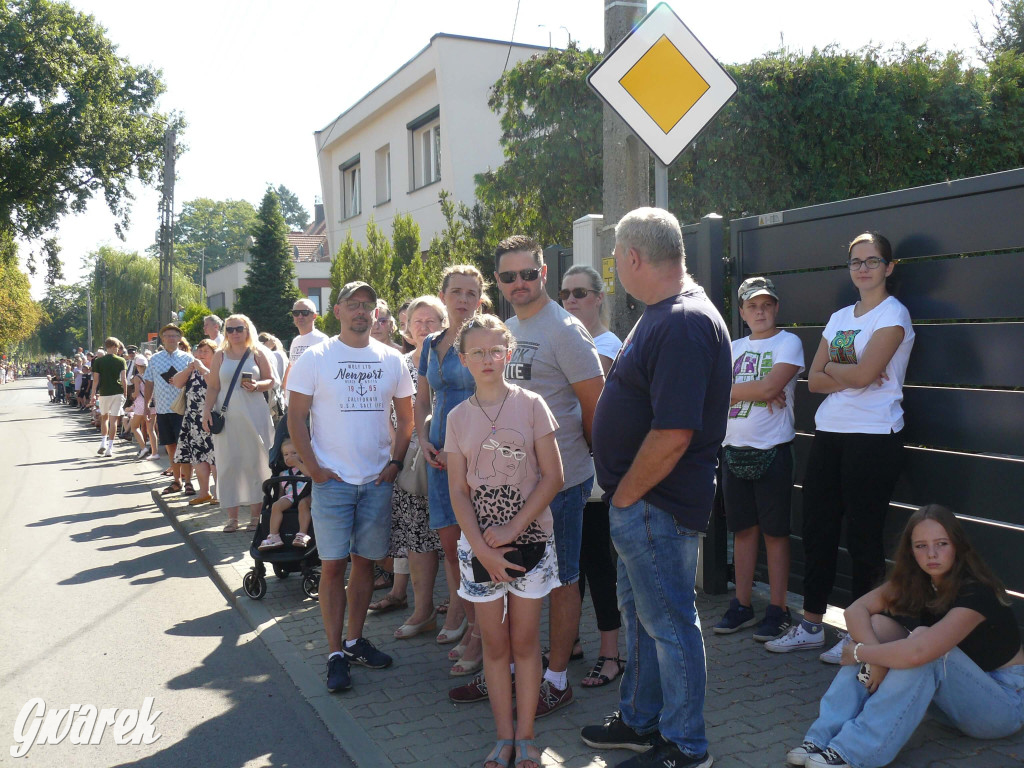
[{"x": 425, "y": 129}]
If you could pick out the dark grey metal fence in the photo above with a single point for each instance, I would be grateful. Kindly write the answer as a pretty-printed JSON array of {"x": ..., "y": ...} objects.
[{"x": 960, "y": 247}]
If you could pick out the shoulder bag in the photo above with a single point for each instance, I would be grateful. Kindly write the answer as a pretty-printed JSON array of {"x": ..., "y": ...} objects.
[{"x": 217, "y": 418}]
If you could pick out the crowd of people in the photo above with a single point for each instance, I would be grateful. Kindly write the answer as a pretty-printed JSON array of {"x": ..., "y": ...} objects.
[{"x": 540, "y": 454}]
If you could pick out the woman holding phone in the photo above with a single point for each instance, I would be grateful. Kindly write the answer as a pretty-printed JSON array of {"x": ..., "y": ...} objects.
[{"x": 242, "y": 447}]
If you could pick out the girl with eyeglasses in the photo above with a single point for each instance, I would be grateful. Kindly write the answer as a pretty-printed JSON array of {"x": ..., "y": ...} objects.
[
  {"x": 857, "y": 452},
  {"x": 504, "y": 469}
]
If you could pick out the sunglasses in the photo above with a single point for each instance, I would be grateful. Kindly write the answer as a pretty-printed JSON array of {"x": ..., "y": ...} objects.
[
  {"x": 576, "y": 293},
  {"x": 528, "y": 275},
  {"x": 234, "y": 328},
  {"x": 302, "y": 312}
]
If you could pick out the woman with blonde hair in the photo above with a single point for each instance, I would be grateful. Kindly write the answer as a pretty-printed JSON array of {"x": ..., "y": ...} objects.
[{"x": 242, "y": 447}]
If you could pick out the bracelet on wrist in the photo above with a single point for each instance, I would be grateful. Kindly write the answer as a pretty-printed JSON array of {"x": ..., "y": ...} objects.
[{"x": 856, "y": 656}]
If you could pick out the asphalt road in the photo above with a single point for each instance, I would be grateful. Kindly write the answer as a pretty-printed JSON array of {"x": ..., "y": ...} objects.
[{"x": 102, "y": 603}]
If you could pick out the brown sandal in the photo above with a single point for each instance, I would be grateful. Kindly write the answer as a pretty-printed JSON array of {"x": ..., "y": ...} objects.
[
  {"x": 231, "y": 527},
  {"x": 389, "y": 603}
]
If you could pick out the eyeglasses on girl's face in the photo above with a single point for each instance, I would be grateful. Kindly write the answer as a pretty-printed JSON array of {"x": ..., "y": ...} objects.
[
  {"x": 872, "y": 262},
  {"x": 528, "y": 275},
  {"x": 576, "y": 293},
  {"x": 477, "y": 355},
  {"x": 234, "y": 328}
]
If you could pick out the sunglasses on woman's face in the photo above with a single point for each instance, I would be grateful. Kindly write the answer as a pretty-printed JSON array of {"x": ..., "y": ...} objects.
[
  {"x": 234, "y": 328},
  {"x": 576, "y": 293},
  {"x": 528, "y": 275},
  {"x": 301, "y": 312}
]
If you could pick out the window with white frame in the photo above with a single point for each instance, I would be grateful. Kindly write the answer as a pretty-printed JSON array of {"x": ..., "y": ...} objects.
[
  {"x": 383, "y": 168},
  {"x": 351, "y": 188},
  {"x": 425, "y": 149}
]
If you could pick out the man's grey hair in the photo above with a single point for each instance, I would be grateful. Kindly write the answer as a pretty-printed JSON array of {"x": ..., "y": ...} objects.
[
  {"x": 305, "y": 304},
  {"x": 213, "y": 319},
  {"x": 655, "y": 233}
]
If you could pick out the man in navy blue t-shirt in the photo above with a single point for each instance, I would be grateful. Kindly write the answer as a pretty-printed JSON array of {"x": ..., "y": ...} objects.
[{"x": 657, "y": 431}]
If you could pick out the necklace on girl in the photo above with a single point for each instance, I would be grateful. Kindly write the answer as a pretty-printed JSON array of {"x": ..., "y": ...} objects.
[{"x": 493, "y": 421}]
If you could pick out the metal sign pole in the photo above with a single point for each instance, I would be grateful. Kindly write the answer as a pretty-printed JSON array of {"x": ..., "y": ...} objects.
[{"x": 660, "y": 184}]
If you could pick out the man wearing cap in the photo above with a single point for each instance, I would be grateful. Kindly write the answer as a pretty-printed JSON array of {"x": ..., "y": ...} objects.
[
  {"x": 346, "y": 387},
  {"x": 303, "y": 316},
  {"x": 757, "y": 479},
  {"x": 657, "y": 432}
]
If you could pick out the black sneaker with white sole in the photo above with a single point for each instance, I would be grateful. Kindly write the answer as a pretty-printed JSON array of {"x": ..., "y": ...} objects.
[
  {"x": 668, "y": 755},
  {"x": 365, "y": 653},
  {"x": 615, "y": 734}
]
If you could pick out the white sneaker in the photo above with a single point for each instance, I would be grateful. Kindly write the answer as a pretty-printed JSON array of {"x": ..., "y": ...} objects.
[
  {"x": 799, "y": 755},
  {"x": 109, "y": 451},
  {"x": 834, "y": 655},
  {"x": 797, "y": 639}
]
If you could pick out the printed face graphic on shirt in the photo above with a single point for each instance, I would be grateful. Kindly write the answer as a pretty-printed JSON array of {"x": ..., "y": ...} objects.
[
  {"x": 750, "y": 366},
  {"x": 501, "y": 459},
  {"x": 359, "y": 386},
  {"x": 520, "y": 367},
  {"x": 841, "y": 349}
]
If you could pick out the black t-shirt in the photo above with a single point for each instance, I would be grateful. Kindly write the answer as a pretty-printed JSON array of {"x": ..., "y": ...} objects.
[
  {"x": 674, "y": 372},
  {"x": 993, "y": 642}
]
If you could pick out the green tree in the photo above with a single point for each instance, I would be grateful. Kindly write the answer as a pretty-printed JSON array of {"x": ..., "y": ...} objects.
[
  {"x": 20, "y": 316},
  {"x": 270, "y": 286},
  {"x": 221, "y": 228},
  {"x": 1007, "y": 33},
  {"x": 124, "y": 290},
  {"x": 551, "y": 136},
  {"x": 63, "y": 324},
  {"x": 192, "y": 325},
  {"x": 405, "y": 241},
  {"x": 74, "y": 120},
  {"x": 295, "y": 215}
]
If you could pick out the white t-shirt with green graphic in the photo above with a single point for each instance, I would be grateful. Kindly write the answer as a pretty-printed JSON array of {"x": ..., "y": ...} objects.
[{"x": 750, "y": 424}]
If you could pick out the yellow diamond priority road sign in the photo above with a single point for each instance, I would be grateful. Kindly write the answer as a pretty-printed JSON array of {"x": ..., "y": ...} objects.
[{"x": 663, "y": 83}]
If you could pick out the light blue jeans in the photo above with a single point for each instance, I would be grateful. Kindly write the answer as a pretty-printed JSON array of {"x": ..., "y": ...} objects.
[
  {"x": 663, "y": 684},
  {"x": 870, "y": 730}
]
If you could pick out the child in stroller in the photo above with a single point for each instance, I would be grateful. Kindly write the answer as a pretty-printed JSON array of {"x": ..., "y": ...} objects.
[{"x": 289, "y": 492}]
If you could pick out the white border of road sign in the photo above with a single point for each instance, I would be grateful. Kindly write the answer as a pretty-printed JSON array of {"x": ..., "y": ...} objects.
[{"x": 604, "y": 79}]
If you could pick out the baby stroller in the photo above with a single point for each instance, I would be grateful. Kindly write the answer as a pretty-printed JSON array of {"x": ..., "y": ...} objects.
[{"x": 287, "y": 559}]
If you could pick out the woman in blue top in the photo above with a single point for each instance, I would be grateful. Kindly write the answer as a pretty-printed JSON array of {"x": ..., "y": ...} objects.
[{"x": 444, "y": 383}]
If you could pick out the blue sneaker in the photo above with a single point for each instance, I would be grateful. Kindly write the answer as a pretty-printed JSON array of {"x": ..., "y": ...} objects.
[
  {"x": 338, "y": 677},
  {"x": 776, "y": 622},
  {"x": 736, "y": 618},
  {"x": 364, "y": 652}
]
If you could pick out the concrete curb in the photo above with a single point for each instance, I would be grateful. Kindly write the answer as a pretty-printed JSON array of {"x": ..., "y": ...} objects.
[{"x": 354, "y": 741}]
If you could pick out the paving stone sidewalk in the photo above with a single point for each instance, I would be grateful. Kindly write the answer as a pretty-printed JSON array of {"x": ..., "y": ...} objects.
[{"x": 758, "y": 704}]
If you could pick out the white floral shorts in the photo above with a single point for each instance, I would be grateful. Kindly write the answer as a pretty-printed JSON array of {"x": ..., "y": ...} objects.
[{"x": 533, "y": 584}]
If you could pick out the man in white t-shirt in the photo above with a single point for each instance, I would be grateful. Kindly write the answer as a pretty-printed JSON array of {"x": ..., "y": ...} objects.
[
  {"x": 346, "y": 387},
  {"x": 304, "y": 317},
  {"x": 212, "y": 328}
]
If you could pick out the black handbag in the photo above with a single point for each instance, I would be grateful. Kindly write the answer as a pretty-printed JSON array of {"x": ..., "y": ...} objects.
[
  {"x": 217, "y": 418},
  {"x": 526, "y": 555}
]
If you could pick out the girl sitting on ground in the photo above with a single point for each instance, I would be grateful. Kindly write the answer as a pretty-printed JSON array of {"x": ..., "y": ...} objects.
[
  {"x": 503, "y": 471},
  {"x": 939, "y": 632},
  {"x": 288, "y": 493}
]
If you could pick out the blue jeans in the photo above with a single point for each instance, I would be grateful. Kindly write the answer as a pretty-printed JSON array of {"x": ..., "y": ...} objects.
[
  {"x": 567, "y": 518},
  {"x": 351, "y": 519},
  {"x": 663, "y": 684},
  {"x": 870, "y": 730}
]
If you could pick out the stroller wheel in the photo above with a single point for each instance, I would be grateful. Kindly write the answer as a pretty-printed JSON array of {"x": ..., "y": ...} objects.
[
  {"x": 280, "y": 571},
  {"x": 254, "y": 586},
  {"x": 311, "y": 586}
]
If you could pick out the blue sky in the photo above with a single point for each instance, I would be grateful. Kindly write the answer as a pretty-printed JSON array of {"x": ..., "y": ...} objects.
[{"x": 256, "y": 78}]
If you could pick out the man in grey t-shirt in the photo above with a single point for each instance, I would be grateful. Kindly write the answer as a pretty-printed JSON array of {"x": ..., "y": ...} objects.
[{"x": 556, "y": 358}]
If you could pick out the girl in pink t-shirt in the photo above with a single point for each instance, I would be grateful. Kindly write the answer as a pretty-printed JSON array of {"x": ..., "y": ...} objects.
[{"x": 503, "y": 471}]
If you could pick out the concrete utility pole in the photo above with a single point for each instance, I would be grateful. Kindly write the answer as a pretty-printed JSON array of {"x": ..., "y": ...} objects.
[
  {"x": 88, "y": 320},
  {"x": 626, "y": 164},
  {"x": 165, "y": 290}
]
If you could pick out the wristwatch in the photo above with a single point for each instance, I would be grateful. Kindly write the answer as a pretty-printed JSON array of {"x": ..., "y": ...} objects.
[{"x": 398, "y": 464}]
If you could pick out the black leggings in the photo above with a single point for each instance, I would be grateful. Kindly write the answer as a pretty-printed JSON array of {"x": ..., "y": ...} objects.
[
  {"x": 598, "y": 566},
  {"x": 851, "y": 475}
]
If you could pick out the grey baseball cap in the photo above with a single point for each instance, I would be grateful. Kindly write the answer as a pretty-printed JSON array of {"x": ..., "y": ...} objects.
[
  {"x": 349, "y": 288},
  {"x": 757, "y": 286}
]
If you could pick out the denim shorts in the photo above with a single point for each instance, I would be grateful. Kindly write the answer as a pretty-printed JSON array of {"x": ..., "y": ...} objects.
[
  {"x": 439, "y": 502},
  {"x": 567, "y": 516},
  {"x": 352, "y": 519},
  {"x": 533, "y": 584}
]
